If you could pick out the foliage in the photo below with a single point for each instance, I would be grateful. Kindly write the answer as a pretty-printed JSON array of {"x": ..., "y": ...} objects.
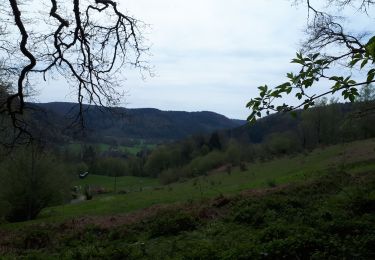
[
  {"x": 323, "y": 218},
  {"x": 171, "y": 223},
  {"x": 160, "y": 159},
  {"x": 327, "y": 46},
  {"x": 201, "y": 165},
  {"x": 282, "y": 143},
  {"x": 170, "y": 175},
  {"x": 109, "y": 166},
  {"x": 29, "y": 183}
]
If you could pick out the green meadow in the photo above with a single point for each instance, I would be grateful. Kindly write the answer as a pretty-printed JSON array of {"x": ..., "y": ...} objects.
[
  {"x": 135, "y": 193},
  {"x": 318, "y": 204}
]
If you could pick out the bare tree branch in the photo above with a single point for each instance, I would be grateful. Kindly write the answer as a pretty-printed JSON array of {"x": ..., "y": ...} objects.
[{"x": 88, "y": 46}]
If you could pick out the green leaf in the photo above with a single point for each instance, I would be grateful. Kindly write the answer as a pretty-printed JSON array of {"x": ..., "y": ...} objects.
[
  {"x": 357, "y": 56},
  {"x": 335, "y": 78},
  {"x": 284, "y": 85},
  {"x": 370, "y": 47},
  {"x": 298, "y": 61},
  {"x": 370, "y": 77},
  {"x": 364, "y": 62},
  {"x": 353, "y": 62}
]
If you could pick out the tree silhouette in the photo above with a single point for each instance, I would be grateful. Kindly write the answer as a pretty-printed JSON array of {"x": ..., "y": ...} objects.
[{"x": 87, "y": 42}]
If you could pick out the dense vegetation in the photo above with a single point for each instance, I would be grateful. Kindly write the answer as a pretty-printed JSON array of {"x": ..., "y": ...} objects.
[
  {"x": 31, "y": 181},
  {"x": 274, "y": 136},
  {"x": 331, "y": 216}
]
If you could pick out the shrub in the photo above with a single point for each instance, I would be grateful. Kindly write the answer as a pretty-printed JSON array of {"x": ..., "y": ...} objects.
[
  {"x": 171, "y": 223},
  {"x": 200, "y": 165},
  {"x": 169, "y": 176},
  {"x": 282, "y": 143},
  {"x": 36, "y": 239},
  {"x": 233, "y": 153},
  {"x": 271, "y": 183}
]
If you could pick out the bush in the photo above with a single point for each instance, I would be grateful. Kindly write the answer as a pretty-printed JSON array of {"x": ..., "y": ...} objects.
[
  {"x": 271, "y": 183},
  {"x": 28, "y": 185},
  {"x": 161, "y": 159},
  {"x": 36, "y": 239},
  {"x": 234, "y": 153},
  {"x": 169, "y": 176},
  {"x": 200, "y": 165},
  {"x": 282, "y": 143},
  {"x": 171, "y": 223}
]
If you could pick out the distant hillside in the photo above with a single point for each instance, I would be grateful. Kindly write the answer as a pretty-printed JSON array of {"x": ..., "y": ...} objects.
[
  {"x": 256, "y": 133},
  {"x": 328, "y": 120},
  {"x": 144, "y": 123}
]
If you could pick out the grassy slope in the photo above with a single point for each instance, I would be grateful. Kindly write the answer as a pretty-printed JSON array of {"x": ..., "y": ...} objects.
[
  {"x": 330, "y": 216},
  {"x": 326, "y": 213},
  {"x": 258, "y": 175},
  {"x": 127, "y": 183}
]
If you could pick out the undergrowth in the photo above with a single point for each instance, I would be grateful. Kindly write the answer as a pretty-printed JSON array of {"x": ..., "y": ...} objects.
[{"x": 329, "y": 217}]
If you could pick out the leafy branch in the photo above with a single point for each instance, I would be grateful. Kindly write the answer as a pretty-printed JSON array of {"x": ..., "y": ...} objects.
[{"x": 315, "y": 67}]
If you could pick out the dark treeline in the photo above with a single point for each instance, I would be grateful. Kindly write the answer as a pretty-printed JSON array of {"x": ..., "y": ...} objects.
[
  {"x": 277, "y": 135},
  {"x": 104, "y": 125}
]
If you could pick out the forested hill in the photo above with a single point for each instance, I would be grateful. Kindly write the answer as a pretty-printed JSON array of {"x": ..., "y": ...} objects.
[
  {"x": 325, "y": 124},
  {"x": 144, "y": 123}
]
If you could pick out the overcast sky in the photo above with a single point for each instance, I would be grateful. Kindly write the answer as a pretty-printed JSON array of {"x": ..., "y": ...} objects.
[{"x": 208, "y": 54}]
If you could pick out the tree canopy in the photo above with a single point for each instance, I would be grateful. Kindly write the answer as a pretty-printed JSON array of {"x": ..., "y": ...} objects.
[{"x": 332, "y": 54}]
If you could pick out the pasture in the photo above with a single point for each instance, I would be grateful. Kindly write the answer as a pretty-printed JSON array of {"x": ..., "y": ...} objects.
[{"x": 145, "y": 192}]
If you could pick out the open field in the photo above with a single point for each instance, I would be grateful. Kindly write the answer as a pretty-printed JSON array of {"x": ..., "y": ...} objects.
[
  {"x": 145, "y": 192},
  {"x": 125, "y": 184}
]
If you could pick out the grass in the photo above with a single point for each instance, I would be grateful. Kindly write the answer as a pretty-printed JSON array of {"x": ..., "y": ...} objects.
[
  {"x": 328, "y": 217},
  {"x": 325, "y": 212},
  {"x": 146, "y": 192},
  {"x": 126, "y": 183}
]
